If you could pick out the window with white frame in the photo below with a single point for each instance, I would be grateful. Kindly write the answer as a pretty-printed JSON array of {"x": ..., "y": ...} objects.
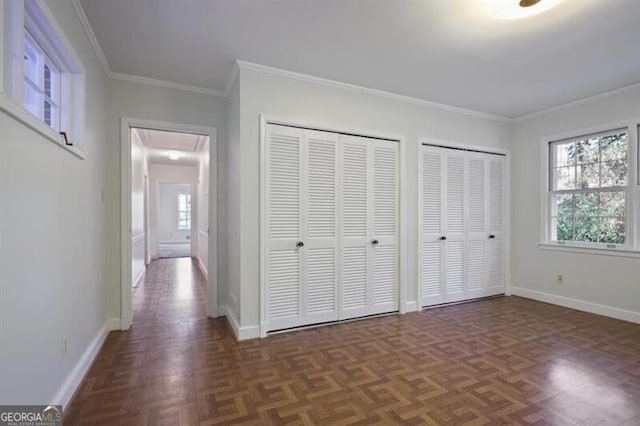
[
  {"x": 41, "y": 72},
  {"x": 184, "y": 212},
  {"x": 591, "y": 193}
]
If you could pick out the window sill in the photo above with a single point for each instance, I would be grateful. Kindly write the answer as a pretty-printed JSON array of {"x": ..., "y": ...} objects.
[
  {"x": 25, "y": 117},
  {"x": 590, "y": 250}
]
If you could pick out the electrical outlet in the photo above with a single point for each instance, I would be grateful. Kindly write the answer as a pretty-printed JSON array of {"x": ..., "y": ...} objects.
[
  {"x": 560, "y": 279},
  {"x": 65, "y": 349}
]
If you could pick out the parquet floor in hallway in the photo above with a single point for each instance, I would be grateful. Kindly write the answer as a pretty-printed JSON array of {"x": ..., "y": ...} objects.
[{"x": 500, "y": 361}]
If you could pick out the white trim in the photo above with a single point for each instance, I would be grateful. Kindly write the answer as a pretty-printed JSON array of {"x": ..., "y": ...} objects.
[
  {"x": 244, "y": 65},
  {"x": 77, "y": 7},
  {"x": 74, "y": 379},
  {"x": 32, "y": 122},
  {"x": 590, "y": 250},
  {"x": 403, "y": 237},
  {"x": 125, "y": 213},
  {"x": 140, "y": 277},
  {"x": 233, "y": 75},
  {"x": 240, "y": 333},
  {"x": 411, "y": 306},
  {"x": 457, "y": 145},
  {"x": 203, "y": 269},
  {"x": 166, "y": 84},
  {"x": 575, "y": 103},
  {"x": 580, "y": 305}
]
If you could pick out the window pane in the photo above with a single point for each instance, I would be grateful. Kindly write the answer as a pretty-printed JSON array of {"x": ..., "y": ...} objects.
[
  {"x": 586, "y": 229},
  {"x": 588, "y": 176},
  {"x": 587, "y": 150},
  {"x": 614, "y": 147},
  {"x": 564, "y": 154},
  {"x": 586, "y": 205},
  {"x": 183, "y": 215},
  {"x": 564, "y": 219},
  {"x": 47, "y": 113},
  {"x": 612, "y": 230},
  {"x": 564, "y": 178},
  {"x": 613, "y": 204},
  {"x": 30, "y": 61},
  {"x": 614, "y": 173},
  {"x": 31, "y": 99},
  {"x": 47, "y": 80}
]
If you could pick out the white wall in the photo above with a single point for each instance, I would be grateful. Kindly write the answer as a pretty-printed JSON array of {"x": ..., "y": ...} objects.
[
  {"x": 139, "y": 175},
  {"x": 288, "y": 98},
  {"x": 53, "y": 244},
  {"x": 162, "y": 173},
  {"x": 599, "y": 279},
  {"x": 202, "y": 237},
  {"x": 168, "y": 213},
  {"x": 137, "y": 100}
]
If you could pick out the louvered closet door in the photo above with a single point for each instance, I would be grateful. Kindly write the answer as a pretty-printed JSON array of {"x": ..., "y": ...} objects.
[
  {"x": 431, "y": 225},
  {"x": 320, "y": 227},
  {"x": 476, "y": 241},
  {"x": 356, "y": 203},
  {"x": 454, "y": 224},
  {"x": 495, "y": 224},
  {"x": 384, "y": 244},
  {"x": 284, "y": 224}
]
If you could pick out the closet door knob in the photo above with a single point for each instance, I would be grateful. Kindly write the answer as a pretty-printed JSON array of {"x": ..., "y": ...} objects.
[
  {"x": 443, "y": 238},
  {"x": 375, "y": 242},
  {"x": 300, "y": 244},
  {"x": 491, "y": 237}
]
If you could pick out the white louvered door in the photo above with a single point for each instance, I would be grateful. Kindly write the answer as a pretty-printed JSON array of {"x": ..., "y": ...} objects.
[
  {"x": 320, "y": 227},
  {"x": 328, "y": 197},
  {"x": 461, "y": 224},
  {"x": 495, "y": 224},
  {"x": 454, "y": 225},
  {"x": 384, "y": 243},
  {"x": 431, "y": 225},
  {"x": 476, "y": 240},
  {"x": 284, "y": 227},
  {"x": 356, "y": 203}
]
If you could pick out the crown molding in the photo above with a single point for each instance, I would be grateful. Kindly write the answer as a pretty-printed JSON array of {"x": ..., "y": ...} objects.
[
  {"x": 577, "y": 102},
  {"x": 233, "y": 75},
  {"x": 166, "y": 84},
  {"x": 244, "y": 65},
  {"x": 77, "y": 7}
]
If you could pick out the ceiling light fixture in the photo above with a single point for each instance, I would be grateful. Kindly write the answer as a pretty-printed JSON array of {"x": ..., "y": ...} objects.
[
  {"x": 174, "y": 155},
  {"x": 516, "y": 9}
]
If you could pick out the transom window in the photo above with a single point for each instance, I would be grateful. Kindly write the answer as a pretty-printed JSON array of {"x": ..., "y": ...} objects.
[
  {"x": 184, "y": 212},
  {"x": 591, "y": 190},
  {"x": 41, "y": 84}
]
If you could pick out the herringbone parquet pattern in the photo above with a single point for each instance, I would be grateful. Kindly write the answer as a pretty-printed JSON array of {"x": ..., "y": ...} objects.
[{"x": 500, "y": 361}]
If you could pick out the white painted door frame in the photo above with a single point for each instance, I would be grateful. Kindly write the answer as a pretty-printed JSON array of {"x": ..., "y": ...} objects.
[
  {"x": 403, "y": 245},
  {"x": 507, "y": 202},
  {"x": 126, "y": 124}
]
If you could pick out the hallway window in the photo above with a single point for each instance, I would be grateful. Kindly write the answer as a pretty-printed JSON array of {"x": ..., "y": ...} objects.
[{"x": 184, "y": 212}]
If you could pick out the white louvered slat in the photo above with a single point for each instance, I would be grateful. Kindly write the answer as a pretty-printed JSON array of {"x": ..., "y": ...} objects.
[
  {"x": 284, "y": 186},
  {"x": 320, "y": 285},
  {"x": 354, "y": 190},
  {"x": 431, "y": 274},
  {"x": 284, "y": 292},
  {"x": 354, "y": 278},
  {"x": 454, "y": 284},
  {"x": 496, "y": 197},
  {"x": 455, "y": 193},
  {"x": 321, "y": 188},
  {"x": 431, "y": 191},
  {"x": 495, "y": 256},
  {"x": 476, "y": 279},
  {"x": 385, "y": 190},
  {"x": 476, "y": 195},
  {"x": 385, "y": 273}
]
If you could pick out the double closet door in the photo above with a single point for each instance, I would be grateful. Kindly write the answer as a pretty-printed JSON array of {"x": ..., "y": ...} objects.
[
  {"x": 331, "y": 227},
  {"x": 461, "y": 225}
]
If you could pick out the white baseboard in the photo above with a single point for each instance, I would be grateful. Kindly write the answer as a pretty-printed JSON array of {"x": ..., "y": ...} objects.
[
  {"x": 68, "y": 388},
  {"x": 240, "y": 333},
  {"x": 410, "y": 306},
  {"x": 140, "y": 277},
  {"x": 114, "y": 324},
  {"x": 203, "y": 269},
  {"x": 580, "y": 305}
]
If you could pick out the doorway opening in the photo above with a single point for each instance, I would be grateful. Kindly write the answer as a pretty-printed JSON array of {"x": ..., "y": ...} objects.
[{"x": 168, "y": 206}]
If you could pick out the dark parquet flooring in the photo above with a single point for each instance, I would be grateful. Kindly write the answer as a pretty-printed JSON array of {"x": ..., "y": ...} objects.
[{"x": 499, "y": 361}]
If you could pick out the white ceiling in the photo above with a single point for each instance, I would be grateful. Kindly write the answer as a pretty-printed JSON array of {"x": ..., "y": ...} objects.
[
  {"x": 451, "y": 52},
  {"x": 159, "y": 143}
]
